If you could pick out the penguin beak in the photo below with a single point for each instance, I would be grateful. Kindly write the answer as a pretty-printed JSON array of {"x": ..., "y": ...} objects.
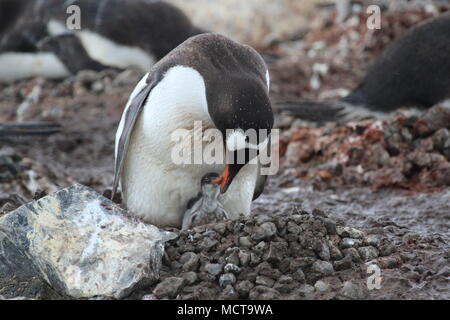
[{"x": 227, "y": 176}]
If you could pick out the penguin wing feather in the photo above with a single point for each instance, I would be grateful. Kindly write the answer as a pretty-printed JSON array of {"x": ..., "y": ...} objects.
[{"x": 131, "y": 115}]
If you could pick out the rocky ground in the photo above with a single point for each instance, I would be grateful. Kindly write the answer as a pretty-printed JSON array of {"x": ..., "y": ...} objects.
[{"x": 345, "y": 197}]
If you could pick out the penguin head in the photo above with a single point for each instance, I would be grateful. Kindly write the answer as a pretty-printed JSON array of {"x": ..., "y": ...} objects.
[
  {"x": 244, "y": 115},
  {"x": 209, "y": 185}
]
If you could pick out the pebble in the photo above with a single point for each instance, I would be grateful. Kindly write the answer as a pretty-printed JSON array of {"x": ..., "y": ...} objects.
[
  {"x": 323, "y": 267},
  {"x": 372, "y": 240},
  {"x": 285, "y": 284},
  {"x": 244, "y": 258},
  {"x": 243, "y": 288},
  {"x": 350, "y": 243},
  {"x": 169, "y": 287},
  {"x": 213, "y": 268},
  {"x": 263, "y": 293},
  {"x": 353, "y": 253},
  {"x": 229, "y": 293},
  {"x": 349, "y": 232},
  {"x": 227, "y": 279},
  {"x": 321, "y": 286},
  {"x": 190, "y": 277},
  {"x": 264, "y": 231},
  {"x": 232, "y": 255},
  {"x": 368, "y": 253},
  {"x": 245, "y": 242},
  {"x": 190, "y": 261},
  {"x": 353, "y": 291},
  {"x": 229, "y": 267},
  {"x": 264, "y": 281}
]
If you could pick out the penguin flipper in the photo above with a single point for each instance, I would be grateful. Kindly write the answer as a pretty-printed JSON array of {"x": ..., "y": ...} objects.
[{"x": 132, "y": 112}]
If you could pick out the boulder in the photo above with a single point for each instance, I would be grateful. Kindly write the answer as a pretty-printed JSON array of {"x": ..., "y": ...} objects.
[{"x": 81, "y": 244}]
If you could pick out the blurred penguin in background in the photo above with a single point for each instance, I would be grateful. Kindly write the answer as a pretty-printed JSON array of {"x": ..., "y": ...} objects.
[
  {"x": 413, "y": 73},
  {"x": 35, "y": 39}
]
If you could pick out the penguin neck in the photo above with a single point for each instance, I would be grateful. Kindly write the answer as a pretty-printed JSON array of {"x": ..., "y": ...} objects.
[{"x": 209, "y": 202}]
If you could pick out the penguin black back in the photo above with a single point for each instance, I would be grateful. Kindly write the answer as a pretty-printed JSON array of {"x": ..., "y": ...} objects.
[{"x": 413, "y": 71}]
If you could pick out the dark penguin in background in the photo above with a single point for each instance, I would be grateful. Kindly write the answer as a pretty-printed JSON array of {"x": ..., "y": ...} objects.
[
  {"x": 212, "y": 80},
  {"x": 414, "y": 71},
  {"x": 114, "y": 33}
]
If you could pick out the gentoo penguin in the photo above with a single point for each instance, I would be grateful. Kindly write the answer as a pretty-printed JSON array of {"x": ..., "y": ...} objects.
[
  {"x": 113, "y": 33},
  {"x": 209, "y": 79},
  {"x": 206, "y": 208},
  {"x": 414, "y": 71}
]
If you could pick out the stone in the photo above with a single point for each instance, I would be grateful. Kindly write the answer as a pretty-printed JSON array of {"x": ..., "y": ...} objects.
[
  {"x": 229, "y": 293},
  {"x": 353, "y": 291},
  {"x": 322, "y": 250},
  {"x": 232, "y": 255},
  {"x": 277, "y": 250},
  {"x": 213, "y": 269},
  {"x": 245, "y": 242},
  {"x": 372, "y": 240},
  {"x": 350, "y": 243},
  {"x": 321, "y": 286},
  {"x": 243, "y": 288},
  {"x": 190, "y": 261},
  {"x": 368, "y": 253},
  {"x": 265, "y": 231},
  {"x": 81, "y": 244},
  {"x": 305, "y": 289},
  {"x": 169, "y": 287},
  {"x": 264, "y": 281},
  {"x": 335, "y": 253},
  {"x": 323, "y": 267},
  {"x": 299, "y": 276},
  {"x": 190, "y": 277},
  {"x": 244, "y": 258},
  {"x": 349, "y": 232},
  {"x": 285, "y": 284},
  {"x": 345, "y": 263},
  {"x": 231, "y": 268},
  {"x": 227, "y": 279},
  {"x": 353, "y": 253},
  {"x": 263, "y": 293},
  {"x": 330, "y": 225}
]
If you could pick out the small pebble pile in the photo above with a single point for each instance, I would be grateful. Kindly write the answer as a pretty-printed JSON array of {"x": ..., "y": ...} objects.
[
  {"x": 288, "y": 256},
  {"x": 407, "y": 152}
]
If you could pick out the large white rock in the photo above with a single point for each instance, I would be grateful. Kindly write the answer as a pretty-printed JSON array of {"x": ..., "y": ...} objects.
[
  {"x": 82, "y": 244},
  {"x": 254, "y": 22}
]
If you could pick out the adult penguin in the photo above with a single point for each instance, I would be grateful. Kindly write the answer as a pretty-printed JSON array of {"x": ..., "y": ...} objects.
[
  {"x": 413, "y": 72},
  {"x": 209, "y": 79},
  {"x": 37, "y": 40}
]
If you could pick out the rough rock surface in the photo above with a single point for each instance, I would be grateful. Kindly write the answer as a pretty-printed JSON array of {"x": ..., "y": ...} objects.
[{"x": 81, "y": 244}]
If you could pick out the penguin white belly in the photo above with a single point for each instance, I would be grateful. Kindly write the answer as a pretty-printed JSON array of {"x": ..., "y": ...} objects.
[
  {"x": 157, "y": 190},
  {"x": 106, "y": 51},
  {"x": 17, "y": 65}
]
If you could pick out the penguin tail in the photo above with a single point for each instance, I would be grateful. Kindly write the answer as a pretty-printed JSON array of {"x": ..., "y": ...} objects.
[
  {"x": 336, "y": 111},
  {"x": 312, "y": 111},
  {"x": 28, "y": 129}
]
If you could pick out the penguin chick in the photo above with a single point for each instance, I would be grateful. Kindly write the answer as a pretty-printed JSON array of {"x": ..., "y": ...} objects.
[{"x": 207, "y": 207}]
